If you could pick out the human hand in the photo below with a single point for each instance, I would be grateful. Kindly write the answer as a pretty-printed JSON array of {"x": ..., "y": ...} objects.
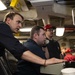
[{"x": 54, "y": 60}]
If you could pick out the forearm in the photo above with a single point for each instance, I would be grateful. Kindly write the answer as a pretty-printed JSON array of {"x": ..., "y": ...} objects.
[{"x": 29, "y": 56}]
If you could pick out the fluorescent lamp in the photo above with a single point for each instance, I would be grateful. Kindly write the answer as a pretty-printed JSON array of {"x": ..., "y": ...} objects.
[
  {"x": 35, "y": 1},
  {"x": 25, "y": 29},
  {"x": 73, "y": 14},
  {"x": 2, "y": 6},
  {"x": 60, "y": 31}
]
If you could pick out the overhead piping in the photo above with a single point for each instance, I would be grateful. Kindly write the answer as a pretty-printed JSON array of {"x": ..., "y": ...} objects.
[{"x": 73, "y": 16}]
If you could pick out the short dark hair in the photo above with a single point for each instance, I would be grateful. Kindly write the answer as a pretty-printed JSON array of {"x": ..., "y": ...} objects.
[
  {"x": 11, "y": 15},
  {"x": 35, "y": 29}
]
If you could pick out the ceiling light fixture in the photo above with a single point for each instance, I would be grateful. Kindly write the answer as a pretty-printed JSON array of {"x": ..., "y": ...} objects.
[
  {"x": 35, "y": 1},
  {"x": 2, "y": 6},
  {"x": 60, "y": 31},
  {"x": 25, "y": 29}
]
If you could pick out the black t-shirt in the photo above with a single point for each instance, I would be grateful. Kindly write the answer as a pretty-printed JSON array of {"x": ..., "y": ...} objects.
[
  {"x": 28, "y": 68},
  {"x": 8, "y": 41},
  {"x": 53, "y": 48}
]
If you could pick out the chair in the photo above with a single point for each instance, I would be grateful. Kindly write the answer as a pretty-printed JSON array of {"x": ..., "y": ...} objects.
[{"x": 4, "y": 66}]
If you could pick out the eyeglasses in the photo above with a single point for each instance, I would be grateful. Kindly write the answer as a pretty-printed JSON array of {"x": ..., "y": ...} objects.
[
  {"x": 50, "y": 30},
  {"x": 20, "y": 22}
]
